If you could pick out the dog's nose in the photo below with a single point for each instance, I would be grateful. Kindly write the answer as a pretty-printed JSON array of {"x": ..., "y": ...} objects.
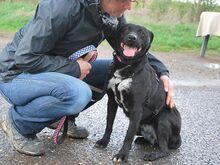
[{"x": 132, "y": 37}]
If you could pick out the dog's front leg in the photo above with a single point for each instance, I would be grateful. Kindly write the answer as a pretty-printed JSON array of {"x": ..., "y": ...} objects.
[
  {"x": 111, "y": 112},
  {"x": 134, "y": 121}
]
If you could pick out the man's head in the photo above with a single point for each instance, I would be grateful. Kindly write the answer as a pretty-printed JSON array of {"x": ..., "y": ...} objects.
[{"x": 115, "y": 8}]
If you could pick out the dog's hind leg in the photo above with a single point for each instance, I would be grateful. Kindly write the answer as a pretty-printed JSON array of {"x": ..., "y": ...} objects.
[
  {"x": 111, "y": 112},
  {"x": 163, "y": 139},
  {"x": 157, "y": 154},
  {"x": 174, "y": 144},
  {"x": 148, "y": 135}
]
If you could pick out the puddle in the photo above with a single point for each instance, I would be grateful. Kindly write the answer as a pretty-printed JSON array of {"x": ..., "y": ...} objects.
[
  {"x": 197, "y": 83},
  {"x": 212, "y": 66}
]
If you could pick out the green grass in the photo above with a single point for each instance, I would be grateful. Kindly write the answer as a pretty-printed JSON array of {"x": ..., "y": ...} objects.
[
  {"x": 14, "y": 15},
  {"x": 179, "y": 37},
  {"x": 174, "y": 37},
  {"x": 168, "y": 37}
]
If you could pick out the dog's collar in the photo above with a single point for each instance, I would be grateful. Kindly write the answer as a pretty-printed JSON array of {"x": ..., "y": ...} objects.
[{"x": 116, "y": 56}]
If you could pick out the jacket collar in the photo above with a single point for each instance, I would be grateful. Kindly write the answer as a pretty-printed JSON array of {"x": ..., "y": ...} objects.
[{"x": 103, "y": 19}]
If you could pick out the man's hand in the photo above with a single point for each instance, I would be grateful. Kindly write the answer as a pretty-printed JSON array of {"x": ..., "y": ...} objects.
[
  {"x": 84, "y": 63},
  {"x": 85, "y": 67},
  {"x": 168, "y": 87},
  {"x": 90, "y": 56}
]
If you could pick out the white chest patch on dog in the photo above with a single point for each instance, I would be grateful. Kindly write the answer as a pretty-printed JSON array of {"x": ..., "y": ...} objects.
[{"x": 119, "y": 83}]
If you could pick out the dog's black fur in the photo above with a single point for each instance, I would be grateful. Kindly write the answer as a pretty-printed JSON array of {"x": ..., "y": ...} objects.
[{"x": 134, "y": 86}]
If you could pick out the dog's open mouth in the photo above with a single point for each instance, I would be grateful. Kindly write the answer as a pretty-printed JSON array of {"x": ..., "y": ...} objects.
[{"x": 129, "y": 51}]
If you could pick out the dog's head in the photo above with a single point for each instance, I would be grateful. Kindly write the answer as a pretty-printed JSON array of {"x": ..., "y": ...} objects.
[{"x": 133, "y": 42}]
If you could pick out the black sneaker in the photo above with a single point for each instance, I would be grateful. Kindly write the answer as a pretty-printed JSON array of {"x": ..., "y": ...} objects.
[
  {"x": 74, "y": 131},
  {"x": 29, "y": 146}
]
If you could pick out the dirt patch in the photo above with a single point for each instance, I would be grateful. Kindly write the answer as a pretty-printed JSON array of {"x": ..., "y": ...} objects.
[{"x": 5, "y": 38}]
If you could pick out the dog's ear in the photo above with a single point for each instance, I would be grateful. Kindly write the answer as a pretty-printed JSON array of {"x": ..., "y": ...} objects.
[{"x": 151, "y": 35}]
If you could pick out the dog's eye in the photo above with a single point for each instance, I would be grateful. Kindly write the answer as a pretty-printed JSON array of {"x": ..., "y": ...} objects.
[
  {"x": 125, "y": 31},
  {"x": 141, "y": 33}
]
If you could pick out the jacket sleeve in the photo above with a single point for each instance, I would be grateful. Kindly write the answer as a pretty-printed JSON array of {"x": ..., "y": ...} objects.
[{"x": 50, "y": 23}]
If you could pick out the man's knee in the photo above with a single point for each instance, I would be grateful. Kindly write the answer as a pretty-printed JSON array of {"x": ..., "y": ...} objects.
[
  {"x": 80, "y": 98},
  {"x": 72, "y": 93}
]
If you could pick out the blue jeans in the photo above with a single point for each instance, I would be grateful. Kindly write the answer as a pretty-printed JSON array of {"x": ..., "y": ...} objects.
[{"x": 40, "y": 99}]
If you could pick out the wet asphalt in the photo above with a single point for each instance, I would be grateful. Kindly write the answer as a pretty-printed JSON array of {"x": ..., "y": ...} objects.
[{"x": 197, "y": 101}]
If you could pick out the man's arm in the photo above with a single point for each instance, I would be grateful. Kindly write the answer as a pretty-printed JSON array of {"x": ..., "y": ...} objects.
[{"x": 48, "y": 26}]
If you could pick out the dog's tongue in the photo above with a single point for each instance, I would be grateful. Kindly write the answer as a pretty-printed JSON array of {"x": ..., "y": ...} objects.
[{"x": 128, "y": 51}]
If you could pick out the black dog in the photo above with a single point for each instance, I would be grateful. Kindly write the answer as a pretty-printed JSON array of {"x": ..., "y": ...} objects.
[{"x": 134, "y": 86}]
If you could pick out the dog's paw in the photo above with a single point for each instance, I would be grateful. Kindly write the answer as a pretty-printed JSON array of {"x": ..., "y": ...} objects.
[
  {"x": 101, "y": 144},
  {"x": 119, "y": 158}
]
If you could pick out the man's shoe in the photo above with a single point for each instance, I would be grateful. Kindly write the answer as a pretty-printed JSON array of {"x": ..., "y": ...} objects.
[
  {"x": 28, "y": 146},
  {"x": 74, "y": 131}
]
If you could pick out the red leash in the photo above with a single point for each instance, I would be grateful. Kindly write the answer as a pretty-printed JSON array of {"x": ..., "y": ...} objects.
[{"x": 62, "y": 123}]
